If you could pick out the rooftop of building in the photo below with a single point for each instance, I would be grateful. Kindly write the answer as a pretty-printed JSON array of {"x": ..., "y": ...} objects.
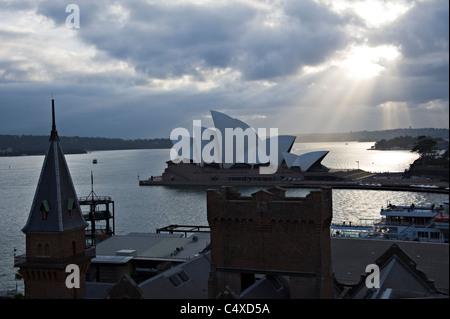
[
  {"x": 151, "y": 245},
  {"x": 350, "y": 258}
]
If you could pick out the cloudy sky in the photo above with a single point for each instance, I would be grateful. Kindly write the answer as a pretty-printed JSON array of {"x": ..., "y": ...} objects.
[{"x": 138, "y": 69}]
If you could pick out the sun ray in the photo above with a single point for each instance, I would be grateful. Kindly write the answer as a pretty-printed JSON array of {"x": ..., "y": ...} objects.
[{"x": 395, "y": 115}]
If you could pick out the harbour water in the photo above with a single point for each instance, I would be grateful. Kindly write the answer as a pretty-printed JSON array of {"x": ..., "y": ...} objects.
[{"x": 143, "y": 209}]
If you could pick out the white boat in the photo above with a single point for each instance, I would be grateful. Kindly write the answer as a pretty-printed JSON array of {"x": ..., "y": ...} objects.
[
  {"x": 408, "y": 223},
  {"x": 417, "y": 223}
]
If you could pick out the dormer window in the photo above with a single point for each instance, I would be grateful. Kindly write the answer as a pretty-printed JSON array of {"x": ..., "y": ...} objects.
[
  {"x": 70, "y": 206},
  {"x": 45, "y": 209}
]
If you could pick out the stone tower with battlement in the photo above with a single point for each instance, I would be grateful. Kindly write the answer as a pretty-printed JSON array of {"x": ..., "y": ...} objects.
[{"x": 269, "y": 233}]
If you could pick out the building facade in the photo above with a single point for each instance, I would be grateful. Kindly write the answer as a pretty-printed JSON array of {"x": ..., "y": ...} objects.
[{"x": 270, "y": 234}]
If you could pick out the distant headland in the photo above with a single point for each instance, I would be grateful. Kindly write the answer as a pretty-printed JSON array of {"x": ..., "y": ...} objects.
[
  {"x": 17, "y": 145},
  {"x": 373, "y": 136}
]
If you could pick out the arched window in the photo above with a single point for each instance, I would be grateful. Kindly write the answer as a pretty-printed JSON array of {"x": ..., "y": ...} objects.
[{"x": 39, "y": 250}]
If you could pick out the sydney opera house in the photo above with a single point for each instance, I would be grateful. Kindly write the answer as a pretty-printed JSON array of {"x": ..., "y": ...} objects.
[{"x": 203, "y": 159}]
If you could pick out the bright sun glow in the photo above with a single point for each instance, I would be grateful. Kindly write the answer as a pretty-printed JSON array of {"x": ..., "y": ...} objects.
[
  {"x": 379, "y": 13},
  {"x": 374, "y": 13},
  {"x": 363, "y": 62}
]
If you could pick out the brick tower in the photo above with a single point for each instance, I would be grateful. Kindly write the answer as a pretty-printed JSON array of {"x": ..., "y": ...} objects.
[
  {"x": 55, "y": 231},
  {"x": 269, "y": 233}
]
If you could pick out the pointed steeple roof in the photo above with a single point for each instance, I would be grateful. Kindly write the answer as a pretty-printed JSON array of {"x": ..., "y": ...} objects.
[{"x": 55, "y": 206}]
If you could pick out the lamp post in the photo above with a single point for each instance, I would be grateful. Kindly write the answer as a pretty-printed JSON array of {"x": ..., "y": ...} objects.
[{"x": 358, "y": 163}]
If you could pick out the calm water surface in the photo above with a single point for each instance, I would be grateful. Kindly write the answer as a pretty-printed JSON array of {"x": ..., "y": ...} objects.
[{"x": 143, "y": 209}]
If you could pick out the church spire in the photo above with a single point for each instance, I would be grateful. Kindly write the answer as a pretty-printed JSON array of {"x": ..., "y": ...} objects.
[
  {"x": 55, "y": 206},
  {"x": 55, "y": 231},
  {"x": 54, "y": 132}
]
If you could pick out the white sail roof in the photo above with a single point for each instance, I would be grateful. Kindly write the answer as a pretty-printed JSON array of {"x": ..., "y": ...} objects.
[
  {"x": 309, "y": 159},
  {"x": 212, "y": 144}
]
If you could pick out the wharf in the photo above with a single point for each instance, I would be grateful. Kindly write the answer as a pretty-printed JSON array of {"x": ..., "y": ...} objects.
[{"x": 348, "y": 180}]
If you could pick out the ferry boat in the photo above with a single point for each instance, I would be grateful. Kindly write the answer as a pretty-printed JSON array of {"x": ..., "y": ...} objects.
[
  {"x": 408, "y": 223},
  {"x": 418, "y": 223}
]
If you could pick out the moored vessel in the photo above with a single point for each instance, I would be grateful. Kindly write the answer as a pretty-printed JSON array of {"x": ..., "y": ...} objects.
[{"x": 404, "y": 222}]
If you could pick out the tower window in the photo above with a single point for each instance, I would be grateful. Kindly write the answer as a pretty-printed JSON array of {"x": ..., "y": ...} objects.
[{"x": 43, "y": 250}]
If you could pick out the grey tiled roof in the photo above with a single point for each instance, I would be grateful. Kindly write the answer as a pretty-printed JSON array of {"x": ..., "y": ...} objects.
[{"x": 55, "y": 206}]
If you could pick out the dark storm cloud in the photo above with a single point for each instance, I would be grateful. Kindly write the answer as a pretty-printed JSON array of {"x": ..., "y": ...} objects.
[
  {"x": 309, "y": 34},
  {"x": 166, "y": 41},
  {"x": 422, "y": 35},
  {"x": 12, "y": 5},
  {"x": 87, "y": 110},
  {"x": 91, "y": 11},
  {"x": 422, "y": 30},
  {"x": 159, "y": 40},
  {"x": 250, "y": 54}
]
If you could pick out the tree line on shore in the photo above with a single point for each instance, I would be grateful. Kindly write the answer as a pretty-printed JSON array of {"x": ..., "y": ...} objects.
[
  {"x": 433, "y": 161},
  {"x": 408, "y": 143},
  {"x": 15, "y": 145}
]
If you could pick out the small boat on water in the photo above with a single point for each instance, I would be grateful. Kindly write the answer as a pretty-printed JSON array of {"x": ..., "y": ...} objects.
[
  {"x": 94, "y": 161},
  {"x": 408, "y": 223}
]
